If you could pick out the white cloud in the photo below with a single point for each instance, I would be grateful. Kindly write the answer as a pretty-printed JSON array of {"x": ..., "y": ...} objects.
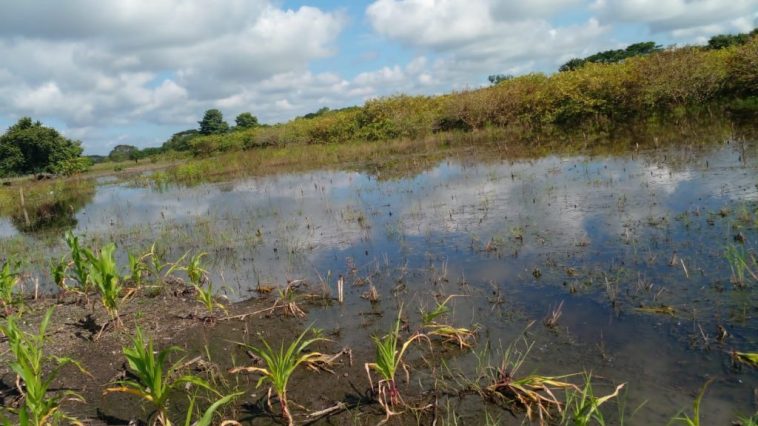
[
  {"x": 679, "y": 16},
  {"x": 87, "y": 62}
]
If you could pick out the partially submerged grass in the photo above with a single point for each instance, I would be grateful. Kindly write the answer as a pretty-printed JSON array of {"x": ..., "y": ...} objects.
[{"x": 582, "y": 407}]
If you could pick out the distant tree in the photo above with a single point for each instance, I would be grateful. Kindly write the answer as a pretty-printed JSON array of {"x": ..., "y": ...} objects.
[
  {"x": 321, "y": 111},
  {"x": 496, "y": 79},
  {"x": 213, "y": 123},
  {"x": 180, "y": 141},
  {"x": 572, "y": 64},
  {"x": 29, "y": 147},
  {"x": 723, "y": 41},
  {"x": 611, "y": 56},
  {"x": 123, "y": 152},
  {"x": 246, "y": 120}
]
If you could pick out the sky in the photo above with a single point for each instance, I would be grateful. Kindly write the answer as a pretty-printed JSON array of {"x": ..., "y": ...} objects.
[{"x": 137, "y": 71}]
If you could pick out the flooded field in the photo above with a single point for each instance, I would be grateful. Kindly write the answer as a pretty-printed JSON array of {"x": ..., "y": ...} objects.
[{"x": 639, "y": 267}]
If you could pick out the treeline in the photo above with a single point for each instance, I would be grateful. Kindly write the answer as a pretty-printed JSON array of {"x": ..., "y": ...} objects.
[
  {"x": 720, "y": 41},
  {"x": 595, "y": 95},
  {"x": 28, "y": 147},
  {"x": 213, "y": 123}
]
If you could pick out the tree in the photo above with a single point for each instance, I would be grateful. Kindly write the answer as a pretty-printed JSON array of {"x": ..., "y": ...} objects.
[
  {"x": 496, "y": 79},
  {"x": 572, "y": 64},
  {"x": 213, "y": 123},
  {"x": 246, "y": 121},
  {"x": 180, "y": 141},
  {"x": 29, "y": 147},
  {"x": 123, "y": 152}
]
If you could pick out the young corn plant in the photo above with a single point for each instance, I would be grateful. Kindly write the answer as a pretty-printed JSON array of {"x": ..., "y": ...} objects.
[
  {"x": 9, "y": 279},
  {"x": 137, "y": 269},
  {"x": 738, "y": 262},
  {"x": 582, "y": 407},
  {"x": 463, "y": 337},
  {"x": 104, "y": 274},
  {"x": 79, "y": 262},
  {"x": 389, "y": 359},
  {"x": 533, "y": 392},
  {"x": 198, "y": 277},
  {"x": 58, "y": 270},
  {"x": 153, "y": 379},
  {"x": 39, "y": 406},
  {"x": 685, "y": 419},
  {"x": 280, "y": 365}
]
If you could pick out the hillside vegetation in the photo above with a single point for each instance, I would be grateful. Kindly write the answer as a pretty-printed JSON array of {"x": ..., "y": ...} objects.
[{"x": 592, "y": 96}]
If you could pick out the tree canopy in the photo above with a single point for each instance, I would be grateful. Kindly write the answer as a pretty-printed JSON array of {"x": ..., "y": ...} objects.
[
  {"x": 615, "y": 55},
  {"x": 213, "y": 123},
  {"x": 29, "y": 147},
  {"x": 123, "y": 152},
  {"x": 246, "y": 120}
]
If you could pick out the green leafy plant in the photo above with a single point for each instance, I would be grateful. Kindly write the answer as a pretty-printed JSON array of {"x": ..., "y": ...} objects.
[
  {"x": 104, "y": 274},
  {"x": 280, "y": 365},
  {"x": 154, "y": 379},
  {"x": 9, "y": 279},
  {"x": 39, "y": 406},
  {"x": 737, "y": 258},
  {"x": 137, "y": 269},
  {"x": 685, "y": 419},
  {"x": 389, "y": 358},
  {"x": 582, "y": 407},
  {"x": 79, "y": 262}
]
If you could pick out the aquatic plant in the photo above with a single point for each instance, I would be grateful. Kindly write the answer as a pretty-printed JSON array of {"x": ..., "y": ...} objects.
[
  {"x": 155, "y": 380},
  {"x": 280, "y": 365},
  {"x": 37, "y": 371}
]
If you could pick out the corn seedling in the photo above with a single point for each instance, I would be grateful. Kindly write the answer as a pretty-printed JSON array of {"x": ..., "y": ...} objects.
[
  {"x": 79, "y": 262},
  {"x": 280, "y": 365},
  {"x": 440, "y": 309},
  {"x": 104, "y": 275},
  {"x": 685, "y": 419},
  {"x": 750, "y": 358},
  {"x": 154, "y": 379},
  {"x": 207, "y": 417},
  {"x": 195, "y": 271},
  {"x": 463, "y": 337},
  {"x": 533, "y": 392},
  {"x": 9, "y": 279},
  {"x": 737, "y": 259},
  {"x": 39, "y": 406},
  {"x": 389, "y": 358},
  {"x": 582, "y": 407},
  {"x": 287, "y": 301},
  {"x": 137, "y": 268},
  {"x": 58, "y": 271},
  {"x": 204, "y": 295}
]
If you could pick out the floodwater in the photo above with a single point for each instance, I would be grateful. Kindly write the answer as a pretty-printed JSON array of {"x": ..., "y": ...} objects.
[{"x": 603, "y": 235}]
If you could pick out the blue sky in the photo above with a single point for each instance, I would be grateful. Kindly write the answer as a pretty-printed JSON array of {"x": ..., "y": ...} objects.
[{"x": 136, "y": 71}]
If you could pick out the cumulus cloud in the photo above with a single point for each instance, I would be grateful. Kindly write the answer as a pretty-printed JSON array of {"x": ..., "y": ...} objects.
[
  {"x": 683, "y": 19},
  {"x": 111, "y": 63}
]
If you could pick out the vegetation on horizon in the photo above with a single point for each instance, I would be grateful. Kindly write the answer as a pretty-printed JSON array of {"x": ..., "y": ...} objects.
[{"x": 609, "y": 88}]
